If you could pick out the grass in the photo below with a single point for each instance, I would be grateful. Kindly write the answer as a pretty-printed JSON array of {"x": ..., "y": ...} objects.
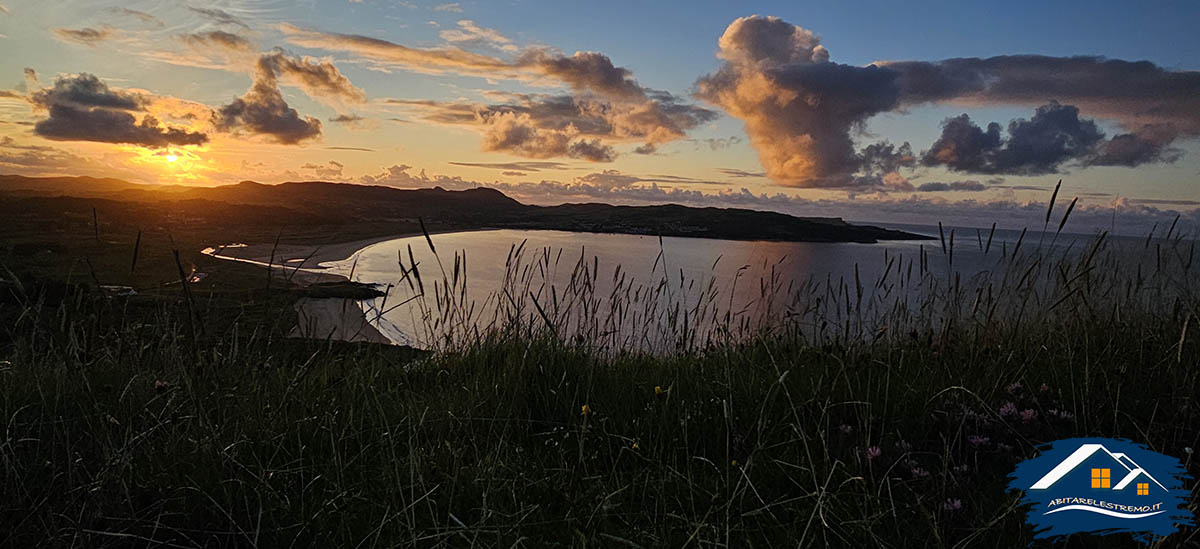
[{"x": 883, "y": 416}]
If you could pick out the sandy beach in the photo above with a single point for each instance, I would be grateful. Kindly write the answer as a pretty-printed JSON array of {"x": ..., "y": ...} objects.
[{"x": 312, "y": 254}]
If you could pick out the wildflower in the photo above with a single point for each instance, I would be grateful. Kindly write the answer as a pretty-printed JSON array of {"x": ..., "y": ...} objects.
[
  {"x": 1028, "y": 415},
  {"x": 1187, "y": 450},
  {"x": 161, "y": 385},
  {"x": 658, "y": 390},
  {"x": 734, "y": 463},
  {"x": 918, "y": 472},
  {"x": 1044, "y": 388},
  {"x": 635, "y": 445},
  {"x": 845, "y": 429},
  {"x": 585, "y": 410},
  {"x": 1008, "y": 409},
  {"x": 873, "y": 452},
  {"x": 1014, "y": 387},
  {"x": 978, "y": 440},
  {"x": 952, "y": 505},
  {"x": 904, "y": 445}
]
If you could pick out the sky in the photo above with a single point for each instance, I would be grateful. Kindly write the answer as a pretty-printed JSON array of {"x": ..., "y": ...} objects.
[{"x": 960, "y": 112}]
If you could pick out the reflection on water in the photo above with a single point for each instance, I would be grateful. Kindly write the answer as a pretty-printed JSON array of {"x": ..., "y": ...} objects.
[{"x": 640, "y": 291}]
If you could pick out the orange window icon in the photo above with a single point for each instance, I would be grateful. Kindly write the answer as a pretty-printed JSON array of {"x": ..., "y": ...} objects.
[
  {"x": 1101, "y": 478},
  {"x": 1143, "y": 489}
]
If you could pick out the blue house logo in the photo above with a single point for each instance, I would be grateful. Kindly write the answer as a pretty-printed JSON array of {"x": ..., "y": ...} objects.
[{"x": 1102, "y": 486}]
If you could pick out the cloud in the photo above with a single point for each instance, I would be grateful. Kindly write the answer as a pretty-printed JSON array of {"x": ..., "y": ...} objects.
[
  {"x": 218, "y": 38},
  {"x": 331, "y": 169},
  {"x": 87, "y": 90},
  {"x": 319, "y": 79},
  {"x": 469, "y": 34},
  {"x": 263, "y": 111},
  {"x": 719, "y": 143},
  {"x": 427, "y": 60},
  {"x": 359, "y": 149},
  {"x": 733, "y": 172},
  {"x": 220, "y": 17},
  {"x": 591, "y": 72},
  {"x": 346, "y": 118},
  {"x": 802, "y": 110},
  {"x": 513, "y": 173},
  {"x": 452, "y": 7},
  {"x": 82, "y": 108},
  {"x": 548, "y": 126},
  {"x": 799, "y": 108},
  {"x": 68, "y": 123},
  {"x": 1054, "y": 136},
  {"x": 39, "y": 160},
  {"x": 521, "y": 166},
  {"x": 87, "y": 36},
  {"x": 962, "y": 186},
  {"x": 140, "y": 15},
  {"x": 4, "y": 9}
]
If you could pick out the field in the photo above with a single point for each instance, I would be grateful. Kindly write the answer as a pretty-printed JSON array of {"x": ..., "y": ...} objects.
[{"x": 184, "y": 417}]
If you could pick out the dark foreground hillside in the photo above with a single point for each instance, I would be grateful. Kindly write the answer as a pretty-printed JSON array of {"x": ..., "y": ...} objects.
[{"x": 124, "y": 427}]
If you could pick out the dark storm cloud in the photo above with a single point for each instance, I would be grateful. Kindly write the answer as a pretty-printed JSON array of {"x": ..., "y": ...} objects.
[
  {"x": 220, "y": 16},
  {"x": 802, "y": 111},
  {"x": 1054, "y": 135},
  {"x": 87, "y": 36}
]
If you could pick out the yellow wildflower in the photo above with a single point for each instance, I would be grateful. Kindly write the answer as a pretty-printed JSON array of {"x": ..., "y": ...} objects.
[
  {"x": 585, "y": 410},
  {"x": 635, "y": 445},
  {"x": 658, "y": 390}
]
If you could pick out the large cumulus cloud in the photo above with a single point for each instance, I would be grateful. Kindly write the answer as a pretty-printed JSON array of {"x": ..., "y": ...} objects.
[
  {"x": 83, "y": 108},
  {"x": 263, "y": 111},
  {"x": 802, "y": 110}
]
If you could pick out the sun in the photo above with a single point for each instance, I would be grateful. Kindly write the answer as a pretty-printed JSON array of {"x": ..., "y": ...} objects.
[{"x": 172, "y": 158}]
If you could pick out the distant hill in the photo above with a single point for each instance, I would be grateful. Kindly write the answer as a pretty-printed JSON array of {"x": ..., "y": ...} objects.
[{"x": 468, "y": 209}]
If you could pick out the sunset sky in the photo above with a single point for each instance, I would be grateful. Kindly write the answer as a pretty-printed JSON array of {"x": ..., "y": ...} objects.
[{"x": 878, "y": 112}]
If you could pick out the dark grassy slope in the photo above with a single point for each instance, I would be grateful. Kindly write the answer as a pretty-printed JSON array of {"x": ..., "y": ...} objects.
[
  {"x": 119, "y": 430},
  {"x": 472, "y": 209}
]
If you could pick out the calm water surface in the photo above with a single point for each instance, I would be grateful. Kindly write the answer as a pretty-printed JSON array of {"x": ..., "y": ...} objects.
[{"x": 731, "y": 275}]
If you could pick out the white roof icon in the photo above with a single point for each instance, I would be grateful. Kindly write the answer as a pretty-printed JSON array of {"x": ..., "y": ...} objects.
[{"x": 1085, "y": 451}]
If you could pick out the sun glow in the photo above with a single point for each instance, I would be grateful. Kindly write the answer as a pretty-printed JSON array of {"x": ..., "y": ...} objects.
[{"x": 172, "y": 158}]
